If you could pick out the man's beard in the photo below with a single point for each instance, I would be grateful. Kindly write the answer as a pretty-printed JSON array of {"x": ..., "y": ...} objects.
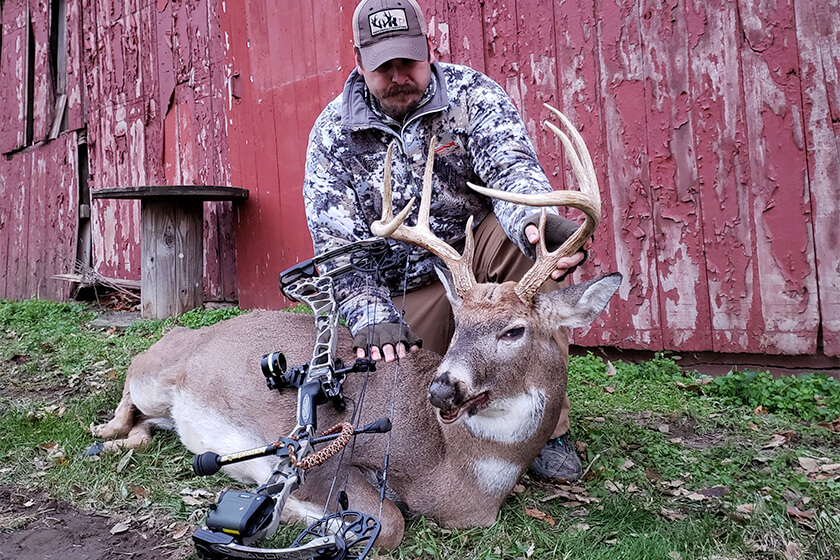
[{"x": 397, "y": 108}]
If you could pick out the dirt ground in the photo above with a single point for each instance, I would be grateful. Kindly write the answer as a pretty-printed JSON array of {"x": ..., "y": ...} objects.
[{"x": 36, "y": 527}]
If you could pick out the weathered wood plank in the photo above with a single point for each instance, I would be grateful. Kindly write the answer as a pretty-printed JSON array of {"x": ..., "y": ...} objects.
[
  {"x": 578, "y": 65},
  {"x": 818, "y": 42},
  {"x": 788, "y": 319},
  {"x": 681, "y": 268},
  {"x": 621, "y": 73},
  {"x": 171, "y": 282},
  {"x": 13, "y": 75}
]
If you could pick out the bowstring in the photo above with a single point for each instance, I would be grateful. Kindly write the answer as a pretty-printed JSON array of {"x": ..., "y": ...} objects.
[
  {"x": 355, "y": 418},
  {"x": 386, "y": 461}
]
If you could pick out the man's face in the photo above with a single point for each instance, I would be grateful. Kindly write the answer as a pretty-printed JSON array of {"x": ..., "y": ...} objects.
[{"x": 398, "y": 84}]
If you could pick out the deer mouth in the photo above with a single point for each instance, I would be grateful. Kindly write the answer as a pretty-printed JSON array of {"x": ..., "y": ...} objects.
[{"x": 470, "y": 407}]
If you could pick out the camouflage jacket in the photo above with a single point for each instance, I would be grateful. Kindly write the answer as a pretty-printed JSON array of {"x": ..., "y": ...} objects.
[{"x": 479, "y": 137}]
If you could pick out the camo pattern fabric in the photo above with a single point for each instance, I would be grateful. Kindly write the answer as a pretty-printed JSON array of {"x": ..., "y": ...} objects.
[{"x": 479, "y": 137}]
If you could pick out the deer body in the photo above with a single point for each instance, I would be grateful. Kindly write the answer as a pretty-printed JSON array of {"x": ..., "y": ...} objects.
[{"x": 465, "y": 425}]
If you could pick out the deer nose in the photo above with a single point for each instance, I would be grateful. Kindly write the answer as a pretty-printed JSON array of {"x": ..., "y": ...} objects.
[{"x": 444, "y": 393}]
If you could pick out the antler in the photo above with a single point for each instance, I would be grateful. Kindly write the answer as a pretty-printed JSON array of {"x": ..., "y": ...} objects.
[
  {"x": 588, "y": 201},
  {"x": 420, "y": 234}
]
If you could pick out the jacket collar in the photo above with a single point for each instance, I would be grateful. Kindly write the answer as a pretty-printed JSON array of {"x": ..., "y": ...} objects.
[{"x": 356, "y": 110}]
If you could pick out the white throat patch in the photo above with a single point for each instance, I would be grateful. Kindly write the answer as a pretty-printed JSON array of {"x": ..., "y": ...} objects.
[
  {"x": 511, "y": 420},
  {"x": 496, "y": 476}
]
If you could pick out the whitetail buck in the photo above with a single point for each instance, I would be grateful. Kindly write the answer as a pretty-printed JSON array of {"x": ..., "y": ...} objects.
[{"x": 465, "y": 425}]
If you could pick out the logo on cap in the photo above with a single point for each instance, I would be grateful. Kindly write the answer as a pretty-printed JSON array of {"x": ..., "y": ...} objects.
[{"x": 387, "y": 21}]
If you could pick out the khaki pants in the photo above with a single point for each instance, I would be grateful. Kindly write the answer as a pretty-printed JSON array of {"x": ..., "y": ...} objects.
[{"x": 497, "y": 259}]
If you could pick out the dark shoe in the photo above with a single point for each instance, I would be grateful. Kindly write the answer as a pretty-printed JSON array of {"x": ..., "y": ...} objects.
[{"x": 558, "y": 460}]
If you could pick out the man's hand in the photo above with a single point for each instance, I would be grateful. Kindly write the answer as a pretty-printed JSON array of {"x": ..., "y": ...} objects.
[
  {"x": 564, "y": 264},
  {"x": 386, "y": 340}
]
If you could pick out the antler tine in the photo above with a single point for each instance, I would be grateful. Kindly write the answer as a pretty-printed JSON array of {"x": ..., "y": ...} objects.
[
  {"x": 587, "y": 200},
  {"x": 420, "y": 234}
]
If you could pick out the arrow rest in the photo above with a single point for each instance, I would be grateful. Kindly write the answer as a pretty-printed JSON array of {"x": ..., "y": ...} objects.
[{"x": 240, "y": 519}]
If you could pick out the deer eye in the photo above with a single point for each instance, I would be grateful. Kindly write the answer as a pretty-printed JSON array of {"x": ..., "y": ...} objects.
[{"x": 514, "y": 333}]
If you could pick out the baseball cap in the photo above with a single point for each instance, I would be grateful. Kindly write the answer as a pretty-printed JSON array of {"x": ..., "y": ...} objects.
[{"x": 388, "y": 29}]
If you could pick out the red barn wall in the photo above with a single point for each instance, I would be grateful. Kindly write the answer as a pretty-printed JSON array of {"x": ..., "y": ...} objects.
[{"x": 713, "y": 128}]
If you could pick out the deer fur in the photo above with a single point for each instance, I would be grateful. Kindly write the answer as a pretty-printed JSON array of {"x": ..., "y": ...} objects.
[{"x": 465, "y": 425}]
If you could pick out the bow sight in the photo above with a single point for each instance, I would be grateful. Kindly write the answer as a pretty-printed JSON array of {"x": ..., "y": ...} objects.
[{"x": 240, "y": 519}]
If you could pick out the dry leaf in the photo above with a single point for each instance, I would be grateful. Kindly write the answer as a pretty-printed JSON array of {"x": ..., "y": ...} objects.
[
  {"x": 580, "y": 446},
  {"x": 541, "y": 515},
  {"x": 810, "y": 465},
  {"x": 190, "y": 501},
  {"x": 759, "y": 410},
  {"x": 611, "y": 370},
  {"x": 795, "y": 512},
  {"x": 675, "y": 555},
  {"x": 715, "y": 491},
  {"x": 792, "y": 551},
  {"x": 671, "y": 514},
  {"x": 613, "y": 486},
  {"x": 120, "y": 527},
  {"x": 610, "y": 389},
  {"x": 518, "y": 489},
  {"x": 664, "y": 428},
  {"x": 627, "y": 465},
  {"x": 579, "y": 528},
  {"x": 745, "y": 509},
  {"x": 181, "y": 533},
  {"x": 778, "y": 440},
  {"x": 124, "y": 461}
]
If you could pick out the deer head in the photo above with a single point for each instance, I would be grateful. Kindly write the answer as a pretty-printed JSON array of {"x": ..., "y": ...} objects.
[{"x": 505, "y": 351}]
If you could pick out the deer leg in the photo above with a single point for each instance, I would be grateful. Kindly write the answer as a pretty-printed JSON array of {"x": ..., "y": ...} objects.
[
  {"x": 139, "y": 436},
  {"x": 123, "y": 421}
]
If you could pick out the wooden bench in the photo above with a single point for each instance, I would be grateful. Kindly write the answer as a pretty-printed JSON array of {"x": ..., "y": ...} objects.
[{"x": 171, "y": 243}]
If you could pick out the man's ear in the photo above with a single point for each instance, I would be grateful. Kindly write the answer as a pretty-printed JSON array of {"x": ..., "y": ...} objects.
[
  {"x": 358, "y": 60},
  {"x": 431, "y": 49}
]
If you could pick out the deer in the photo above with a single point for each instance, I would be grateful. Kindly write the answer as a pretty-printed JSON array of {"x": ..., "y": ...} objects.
[{"x": 466, "y": 425}]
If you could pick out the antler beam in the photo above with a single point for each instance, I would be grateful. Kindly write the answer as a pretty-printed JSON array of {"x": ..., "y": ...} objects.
[
  {"x": 460, "y": 265},
  {"x": 587, "y": 200}
]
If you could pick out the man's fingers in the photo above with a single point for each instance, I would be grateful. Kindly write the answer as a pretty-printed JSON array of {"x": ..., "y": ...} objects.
[
  {"x": 375, "y": 354},
  {"x": 532, "y": 233},
  {"x": 388, "y": 351}
]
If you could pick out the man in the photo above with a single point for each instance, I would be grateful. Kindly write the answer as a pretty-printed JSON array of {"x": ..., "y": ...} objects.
[{"x": 398, "y": 93}]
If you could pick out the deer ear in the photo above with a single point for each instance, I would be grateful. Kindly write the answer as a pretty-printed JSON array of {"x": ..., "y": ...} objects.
[
  {"x": 577, "y": 305},
  {"x": 446, "y": 279}
]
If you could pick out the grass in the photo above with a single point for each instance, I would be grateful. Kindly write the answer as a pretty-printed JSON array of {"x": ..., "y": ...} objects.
[{"x": 678, "y": 466}]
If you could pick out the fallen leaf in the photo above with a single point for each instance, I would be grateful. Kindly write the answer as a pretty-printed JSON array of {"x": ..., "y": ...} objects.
[
  {"x": 613, "y": 486},
  {"x": 518, "y": 489},
  {"x": 652, "y": 474},
  {"x": 579, "y": 528},
  {"x": 675, "y": 555},
  {"x": 124, "y": 461},
  {"x": 671, "y": 514},
  {"x": 627, "y": 465},
  {"x": 120, "y": 527},
  {"x": 810, "y": 465},
  {"x": 190, "y": 501},
  {"x": 795, "y": 512},
  {"x": 580, "y": 446},
  {"x": 181, "y": 533},
  {"x": 541, "y": 515},
  {"x": 792, "y": 551},
  {"x": 664, "y": 428},
  {"x": 715, "y": 491},
  {"x": 745, "y": 509},
  {"x": 759, "y": 410},
  {"x": 611, "y": 370},
  {"x": 610, "y": 389},
  {"x": 778, "y": 440}
]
